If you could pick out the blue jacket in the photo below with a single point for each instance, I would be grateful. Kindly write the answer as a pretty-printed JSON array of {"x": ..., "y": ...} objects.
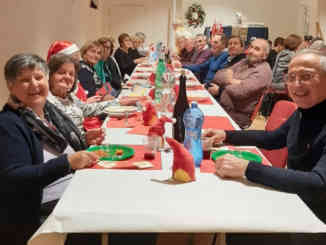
[
  {"x": 210, "y": 67},
  {"x": 23, "y": 174}
]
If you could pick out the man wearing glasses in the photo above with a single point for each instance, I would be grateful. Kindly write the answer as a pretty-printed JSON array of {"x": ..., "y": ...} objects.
[{"x": 304, "y": 133}]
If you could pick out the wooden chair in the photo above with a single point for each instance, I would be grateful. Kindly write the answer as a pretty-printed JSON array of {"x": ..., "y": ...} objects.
[{"x": 282, "y": 110}]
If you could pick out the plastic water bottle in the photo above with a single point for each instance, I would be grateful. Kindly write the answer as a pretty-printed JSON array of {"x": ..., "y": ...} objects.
[
  {"x": 193, "y": 119},
  {"x": 158, "y": 79}
]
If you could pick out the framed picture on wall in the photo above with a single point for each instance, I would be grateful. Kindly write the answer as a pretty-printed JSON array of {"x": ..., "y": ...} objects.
[{"x": 94, "y": 4}]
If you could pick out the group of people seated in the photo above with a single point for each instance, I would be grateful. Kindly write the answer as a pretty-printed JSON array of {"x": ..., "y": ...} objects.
[
  {"x": 238, "y": 75},
  {"x": 54, "y": 112}
]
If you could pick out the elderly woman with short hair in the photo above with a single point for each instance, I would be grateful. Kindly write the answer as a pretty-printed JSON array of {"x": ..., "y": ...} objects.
[{"x": 40, "y": 148}]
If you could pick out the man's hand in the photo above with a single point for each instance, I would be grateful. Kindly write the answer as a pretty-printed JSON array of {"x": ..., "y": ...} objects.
[
  {"x": 228, "y": 74},
  {"x": 235, "y": 81},
  {"x": 217, "y": 135},
  {"x": 229, "y": 166},
  {"x": 213, "y": 89}
]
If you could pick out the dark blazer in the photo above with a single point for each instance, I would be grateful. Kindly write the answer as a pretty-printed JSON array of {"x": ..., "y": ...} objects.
[{"x": 23, "y": 175}]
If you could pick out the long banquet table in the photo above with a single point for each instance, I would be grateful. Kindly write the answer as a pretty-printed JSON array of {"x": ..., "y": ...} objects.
[{"x": 104, "y": 201}]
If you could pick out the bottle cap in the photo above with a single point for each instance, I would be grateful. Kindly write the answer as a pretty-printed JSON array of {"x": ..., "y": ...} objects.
[{"x": 194, "y": 104}]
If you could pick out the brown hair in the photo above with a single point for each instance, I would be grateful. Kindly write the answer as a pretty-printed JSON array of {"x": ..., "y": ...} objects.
[
  {"x": 57, "y": 61},
  {"x": 292, "y": 42},
  {"x": 122, "y": 37},
  {"x": 104, "y": 40},
  {"x": 279, "y": 41},
  {"x": 237, "y": 37},
  {"x": 88, "y": 45}
]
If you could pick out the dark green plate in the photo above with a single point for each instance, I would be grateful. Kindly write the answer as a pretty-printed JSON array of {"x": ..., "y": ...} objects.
[
  {"x": 240, "y": 154},
  {"x": 110, "y": 150}
]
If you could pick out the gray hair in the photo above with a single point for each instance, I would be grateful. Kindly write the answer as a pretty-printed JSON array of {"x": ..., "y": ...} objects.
[
  {"x": 141, "y": 35},
  {"x": 18, "y": 62},
  {"x": 267, "y": 46},
  {"x": 320, "y": 53}
]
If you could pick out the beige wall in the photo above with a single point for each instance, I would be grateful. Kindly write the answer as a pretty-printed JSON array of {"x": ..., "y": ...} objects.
[
  {"x": 322, "y": 16},
  {"x": 148, "y": 16},
  {"x": 31, "y": 26},
  {"x": 281, "y": 16}
]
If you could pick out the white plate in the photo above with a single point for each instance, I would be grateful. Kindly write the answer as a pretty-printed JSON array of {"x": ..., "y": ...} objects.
[{"x": 120, "y": 111}]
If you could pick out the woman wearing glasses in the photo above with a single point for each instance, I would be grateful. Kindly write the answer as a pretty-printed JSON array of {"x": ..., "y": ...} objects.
[{"x": 304, "y": 134}]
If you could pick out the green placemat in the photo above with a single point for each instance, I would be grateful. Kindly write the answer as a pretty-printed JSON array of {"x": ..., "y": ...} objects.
[
  {"x": 111, "y": 152},
  {"x": 240, "y": 154}
]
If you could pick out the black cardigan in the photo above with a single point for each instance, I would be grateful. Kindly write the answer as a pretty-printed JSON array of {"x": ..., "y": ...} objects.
[
  {"x": 304, "y": 133},
  {"x": 125, "y": 61},
  {"x": 22, "y": 171}
]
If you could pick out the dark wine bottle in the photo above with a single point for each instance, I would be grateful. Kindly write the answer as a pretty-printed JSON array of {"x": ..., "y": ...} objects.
[{"x": 180, "y": 107}]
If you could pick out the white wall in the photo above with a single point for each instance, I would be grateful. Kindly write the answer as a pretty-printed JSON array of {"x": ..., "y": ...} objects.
[
  {"x": 283, "y": 17},
  {"x": 148, "y": 16},
  {"x": 32, "y": 25}
]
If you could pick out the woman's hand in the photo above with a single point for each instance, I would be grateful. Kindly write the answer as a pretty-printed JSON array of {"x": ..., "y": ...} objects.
[
  {"x": 107, "y": 97},
  {"x": 128, "y": 101},
  {"x": 82, "y": 159},
  {"x": 94, "y": 99},
  {"x": 95, "y": 136},
  {"x": 229, "y": 166}
]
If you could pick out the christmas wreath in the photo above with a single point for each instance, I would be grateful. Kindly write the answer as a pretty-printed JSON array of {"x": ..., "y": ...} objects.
[{"x": 195, "y": 15}]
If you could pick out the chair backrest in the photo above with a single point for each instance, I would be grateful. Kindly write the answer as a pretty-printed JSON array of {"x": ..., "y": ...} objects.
[
  {"x": 282, "y": 110},
  {"x": 257, "y": 108}
]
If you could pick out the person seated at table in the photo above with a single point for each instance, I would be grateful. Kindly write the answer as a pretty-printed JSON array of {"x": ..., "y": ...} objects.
[
  {"x": 91, "y": 54},
  {"x": 235, "y": 47},
  {"x": 126, "y": 60},
  {"x": 62, "y": 80},
  {"x": 278, "y": 47},
  {"x": 136, "y": 42},
  {"x": 236, "y": 53},
  {"x": 40, "y": 148},
  {"x": 239, "y": 87},
  {"x": 187, "y": 52},
  {"x": 142, "y": 49},
  {"x": 71, "y": 49},
  {"x": 112, "y": 66},
  {"x": 202, "y": 53},
  {"x": 180, "y": 43},
  {"x": 303, "y": 134},
  {"x": 277, "y": 89},
  {"x": 205, "y": 72}
]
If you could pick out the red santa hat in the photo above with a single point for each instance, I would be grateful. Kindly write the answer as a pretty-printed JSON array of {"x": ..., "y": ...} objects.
[
  {"x": 61, "y": 47},
  {"x": 183, "y": 168}
]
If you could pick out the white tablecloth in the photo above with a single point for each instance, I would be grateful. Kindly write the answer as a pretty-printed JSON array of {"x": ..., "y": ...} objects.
[{"x": 144, "y": 201}]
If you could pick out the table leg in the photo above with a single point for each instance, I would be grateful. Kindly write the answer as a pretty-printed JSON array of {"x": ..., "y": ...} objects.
[
  {"x": 220, "y": 239},
  {"x": 208, "y": 239},
  {"x": 105, "y": 239}
]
